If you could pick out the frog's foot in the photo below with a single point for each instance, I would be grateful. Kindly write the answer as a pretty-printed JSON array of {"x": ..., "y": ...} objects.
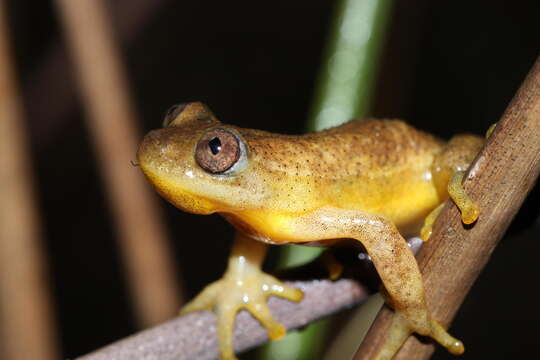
[
  {"x": 469, "y": 210},
  {"x": 242, "y": 290},
  {"x": 402, "y": 328}
]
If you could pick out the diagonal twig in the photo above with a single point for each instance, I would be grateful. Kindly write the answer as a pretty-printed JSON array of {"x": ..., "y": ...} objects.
[{"x": 498, "y": 181}]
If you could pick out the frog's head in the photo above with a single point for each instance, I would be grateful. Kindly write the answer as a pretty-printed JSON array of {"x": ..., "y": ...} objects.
[{"x": 196, "y": 162}]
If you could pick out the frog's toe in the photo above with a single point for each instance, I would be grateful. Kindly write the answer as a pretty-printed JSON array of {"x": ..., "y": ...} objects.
[
  {"x": 262, "y": 313},
  {"x": 469, "y": 210},
  {"x": 453, "y": 345},
  {"x": 205, "y": 300},
  {"x": 225, "y": 326},
  {"x": 427, "y": 229},
  {"x": 426, "y": 232},
  {"x": 399, "y": 331},
  {"x": 332, "y": 265},
  {"x": 435, "y": 331},
  {"x": 402, "y": 328},
  {"x": 470, "y": 214},
  {"x": 272, "y": 286},
  {"x": 257, "y": 304}
]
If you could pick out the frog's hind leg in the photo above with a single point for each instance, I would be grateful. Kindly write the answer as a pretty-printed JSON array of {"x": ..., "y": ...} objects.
[
  {"x": 244, "y": 286},
  {"x": 395, "y": 264}
]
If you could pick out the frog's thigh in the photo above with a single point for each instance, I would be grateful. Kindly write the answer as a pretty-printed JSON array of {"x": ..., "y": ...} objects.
[
  {"x": 394, "y": 262},
  {"x": 391, "y": 256}
]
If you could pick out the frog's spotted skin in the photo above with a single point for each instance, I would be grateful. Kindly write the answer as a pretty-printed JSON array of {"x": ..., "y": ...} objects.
[{"x": 373, "y": 181}]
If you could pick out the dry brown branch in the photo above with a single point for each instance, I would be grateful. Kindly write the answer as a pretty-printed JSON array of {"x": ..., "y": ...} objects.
[
  {"x": 26, "y": 322},
  {"x": 193, "y": 336},
  {"x": 498, "y": 181},
  {"x": 112, "y": 123}
]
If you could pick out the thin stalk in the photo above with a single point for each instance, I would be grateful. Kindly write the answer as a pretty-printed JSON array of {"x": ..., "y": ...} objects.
[
  {"x": 27, "y": 329},
  {"x": 49, "y": 117},
  {"x": 112, "y": 121}
]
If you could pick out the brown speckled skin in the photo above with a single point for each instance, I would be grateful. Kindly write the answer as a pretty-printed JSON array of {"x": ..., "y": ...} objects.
[
  {"x": 378, "y": 166},
  {"x": 371, "y": 180}
]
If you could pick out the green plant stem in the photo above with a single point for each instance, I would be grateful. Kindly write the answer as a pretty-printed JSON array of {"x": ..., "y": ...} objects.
[{"x": 344, "y": 91}]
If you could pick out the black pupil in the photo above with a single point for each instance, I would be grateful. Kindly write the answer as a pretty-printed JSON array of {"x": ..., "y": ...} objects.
[{"x": 215, "y": 145}]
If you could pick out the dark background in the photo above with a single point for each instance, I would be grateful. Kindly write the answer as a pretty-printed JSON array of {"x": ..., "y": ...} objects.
[{"x": 447, "y": 67}]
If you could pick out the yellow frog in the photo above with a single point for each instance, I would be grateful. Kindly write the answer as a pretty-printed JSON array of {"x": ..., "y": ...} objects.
[{"x": 374, "y": 181}]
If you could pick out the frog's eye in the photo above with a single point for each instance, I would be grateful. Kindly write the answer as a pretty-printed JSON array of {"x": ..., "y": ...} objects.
[
  {"x": 217, "y": 151},
  {"x": 173, "y": 113}
]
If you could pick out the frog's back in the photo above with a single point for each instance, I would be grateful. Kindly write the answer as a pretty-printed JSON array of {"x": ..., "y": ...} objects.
[
  {"x": 376, "y": 147},
  {"x": 357, "y": 149},
  {"x": 378, "y": 166}
]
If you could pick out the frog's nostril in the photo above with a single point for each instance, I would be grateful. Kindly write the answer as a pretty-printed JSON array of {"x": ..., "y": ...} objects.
[
  {"x": 149, "y": 142},
  {"x": 154, "y": 139}
]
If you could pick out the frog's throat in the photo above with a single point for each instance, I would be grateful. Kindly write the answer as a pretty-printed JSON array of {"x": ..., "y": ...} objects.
[
  {"x": 250, "y": 230},
  {"x": 275, "y": 228},
  {"x": 180, "y": 197},
  {"x": 189, "y": 202}
]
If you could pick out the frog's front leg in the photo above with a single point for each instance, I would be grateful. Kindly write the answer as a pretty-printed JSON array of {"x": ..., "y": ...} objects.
[
  {"x": 395, "y": 264},
  {"x": 447, "y": 172},
  {"x": 244, "y": 286},
  {"x": 469, "y": 210}
]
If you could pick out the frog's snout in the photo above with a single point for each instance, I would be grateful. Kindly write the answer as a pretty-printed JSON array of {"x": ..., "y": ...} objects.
[
  {"x": 148, "y": 146},
  {"x": 164, "y": 158},
  {"x": 166, "y": 152},
  {"x": 158, "y": 150}
]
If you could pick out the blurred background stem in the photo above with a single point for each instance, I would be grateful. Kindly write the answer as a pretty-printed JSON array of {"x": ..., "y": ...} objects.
[{"x": 344, "y": 91}]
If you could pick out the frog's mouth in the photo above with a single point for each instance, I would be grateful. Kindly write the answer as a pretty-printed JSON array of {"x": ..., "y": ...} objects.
[
  {"x": 179, "y": 197},
  {"x": 190, "y": 203}
]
